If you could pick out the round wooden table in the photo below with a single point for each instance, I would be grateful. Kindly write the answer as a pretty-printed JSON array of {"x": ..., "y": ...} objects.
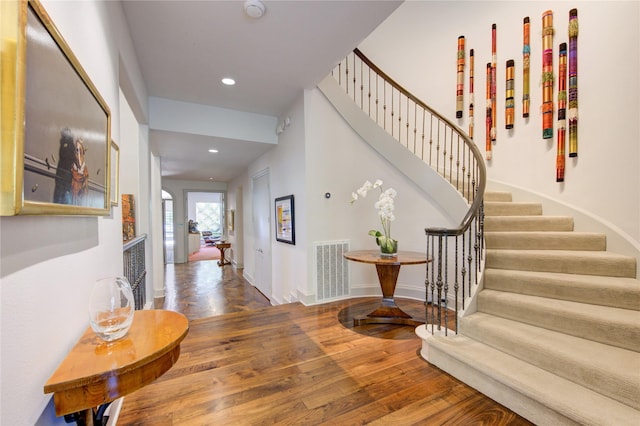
[
  {"x": 97, "y": 372},
  {"x": 388, "y": 269}
]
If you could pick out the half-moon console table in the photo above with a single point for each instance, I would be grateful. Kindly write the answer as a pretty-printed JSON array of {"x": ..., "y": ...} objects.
[
  {"x": 96, "y": 372},
  {"x": 388, "y": 269}
]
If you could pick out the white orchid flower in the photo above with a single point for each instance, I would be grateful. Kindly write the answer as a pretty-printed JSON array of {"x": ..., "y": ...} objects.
[{"x": 384, "y": 206}]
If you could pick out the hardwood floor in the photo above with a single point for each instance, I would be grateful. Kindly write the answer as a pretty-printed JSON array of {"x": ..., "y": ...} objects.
[{"x": 245, "y": 362}]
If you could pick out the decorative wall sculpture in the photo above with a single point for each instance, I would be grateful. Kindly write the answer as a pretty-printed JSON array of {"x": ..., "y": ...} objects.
[
  {"x": 471, "y": 100},
  {"x": 526, "y": 66},
  {"x": 460, "y": 75},
  {"x": 562, "y": 108},
  {"x": 547, "y": 74},
  {"x": 509, "y": 106},
  {"x": 573, "y": 83},
  {"x": 567, "y": 90},
  {"x": 494, "y": 82},
  {"x": 489, "y": 114}
]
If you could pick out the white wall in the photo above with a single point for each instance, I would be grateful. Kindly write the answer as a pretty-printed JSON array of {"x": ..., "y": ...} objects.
[
  {"x": 417, "y": 46},
  {"x": 49, "y": 263},
  {"x": 156, "y": 240},
  {"x": 286, "y": 164},
  {"x": 287, "y": 167},
  {"x": 339, "y": 162}
]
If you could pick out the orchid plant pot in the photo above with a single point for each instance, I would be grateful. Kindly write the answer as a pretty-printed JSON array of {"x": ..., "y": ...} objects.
[{"x": 388, "y": 247}]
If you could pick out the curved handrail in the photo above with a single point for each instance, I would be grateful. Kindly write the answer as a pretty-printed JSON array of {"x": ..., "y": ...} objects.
[{"x": 476, "y": 205}]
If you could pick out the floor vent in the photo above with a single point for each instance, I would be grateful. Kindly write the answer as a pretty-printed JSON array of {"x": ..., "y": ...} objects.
[{"x": 332, "y": 271}]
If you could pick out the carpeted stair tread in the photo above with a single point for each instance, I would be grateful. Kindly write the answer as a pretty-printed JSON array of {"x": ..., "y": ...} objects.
[
  {"x": 599, "y": 367},
  {"x": 604, "y": 324},
  {"x": 546, "y": 240},
  {"x": 608, "y": 291},
  {"x": 542, "y": 397},
  {"x": 528, "y": 223},
  {"x": 566, "y": 261},
  {"x": 510, "y": 208}
]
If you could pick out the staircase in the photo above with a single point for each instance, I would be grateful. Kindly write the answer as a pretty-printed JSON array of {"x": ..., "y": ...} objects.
[
  {"x": 548, "y": 319},
  {"x": 556, "y": 333}
]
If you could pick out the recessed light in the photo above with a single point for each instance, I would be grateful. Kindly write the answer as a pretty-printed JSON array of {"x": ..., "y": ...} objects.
[
  {"x": 213, "y": 151},
  {"x": 228, "y": 81}
]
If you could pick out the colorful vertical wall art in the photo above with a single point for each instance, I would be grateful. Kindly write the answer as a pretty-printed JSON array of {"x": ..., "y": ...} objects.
[
  {"x": 547, "y": 74},
  {"x": 573, "y": 83},
  {"x": 526, "y": 66},
  {"x": 562, "y": 109},
  {"x": 488, "y": 120},
  {"x": 494, "y": 81},
  {"x": 128, "y": 218},
  {"x": 460, "y": 75},
  {"x": 567, "y": 89},
  {"x": 471, "y": 100},
  {"x": 509, "y": 106}
]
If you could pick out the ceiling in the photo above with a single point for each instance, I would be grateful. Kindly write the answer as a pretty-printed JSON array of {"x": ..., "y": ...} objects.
[{"x": 185, "y": 48}]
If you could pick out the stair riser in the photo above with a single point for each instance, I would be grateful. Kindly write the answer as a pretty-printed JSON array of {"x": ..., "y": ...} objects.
[
  {"x": 498, "y": 208},
  {"x": 559, "y": 361},
  {"x": 530, "y": 223},
  {"x": 564, "y": 262},
  {"x": 605, "y": 291},
  {"x": 551, "y": 241},
  {"x": 579, "y": 324},
  {"x": 497, "y": 196}
]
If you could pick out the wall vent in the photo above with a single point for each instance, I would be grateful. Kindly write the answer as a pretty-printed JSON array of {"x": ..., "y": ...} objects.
[{"x": 332, "y": 270}]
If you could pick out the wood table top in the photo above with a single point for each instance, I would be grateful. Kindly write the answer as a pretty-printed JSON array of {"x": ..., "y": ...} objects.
[
  {"x": 96, "y": 372},
  {"x": 374, "y": 257}
]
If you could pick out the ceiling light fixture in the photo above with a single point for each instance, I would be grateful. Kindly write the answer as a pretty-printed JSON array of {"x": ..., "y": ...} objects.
[
  {"x": 228, "y": 81},
  {"x": 254, "y": 9},
  {"x": 213, "y": 151}
]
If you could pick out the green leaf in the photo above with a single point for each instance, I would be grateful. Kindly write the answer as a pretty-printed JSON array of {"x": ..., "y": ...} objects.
[{"x": 375, "y": 233}]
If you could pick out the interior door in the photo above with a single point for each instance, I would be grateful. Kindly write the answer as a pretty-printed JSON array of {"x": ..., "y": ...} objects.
[{"x": 261, "y": 197}]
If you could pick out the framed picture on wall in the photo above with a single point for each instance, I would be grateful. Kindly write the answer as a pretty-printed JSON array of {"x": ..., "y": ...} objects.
[
  {"x": 231, "y": 218},
  {"x": 56, "y": 135},
  {"x": 285, "y": 220}
]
